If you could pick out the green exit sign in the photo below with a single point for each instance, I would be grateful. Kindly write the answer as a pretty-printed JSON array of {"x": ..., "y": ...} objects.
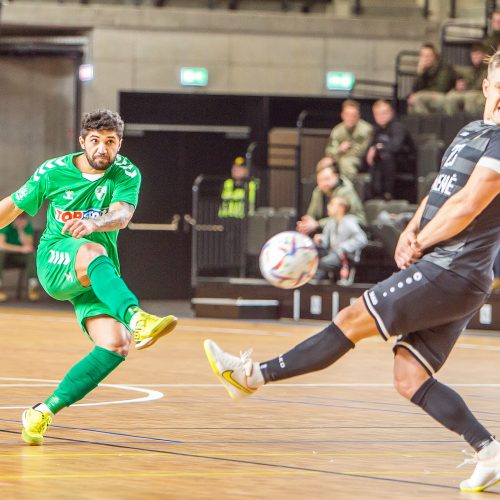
[
  {"x": 197, "y": 77},
  {"x": 340, "y": 80}
]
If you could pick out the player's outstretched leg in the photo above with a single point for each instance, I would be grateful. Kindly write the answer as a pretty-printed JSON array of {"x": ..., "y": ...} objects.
[
  {"x": 242, "y": 376},
  {"x": 113, "y": 341},
  {"x": 111, "y": 290}
]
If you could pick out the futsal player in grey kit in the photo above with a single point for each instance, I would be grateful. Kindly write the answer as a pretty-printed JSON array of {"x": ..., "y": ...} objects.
[{"x": 445, "y": 256}]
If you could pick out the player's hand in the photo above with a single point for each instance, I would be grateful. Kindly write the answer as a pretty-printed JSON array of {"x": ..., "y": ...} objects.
[
  {"x": 318, "y": 239},
  {"x": 79, "y": 228},
  {"x": 407, "y": 250}
]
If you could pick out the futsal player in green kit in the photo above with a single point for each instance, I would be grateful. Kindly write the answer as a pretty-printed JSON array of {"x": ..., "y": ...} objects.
[{"x": 92, "y": 195}]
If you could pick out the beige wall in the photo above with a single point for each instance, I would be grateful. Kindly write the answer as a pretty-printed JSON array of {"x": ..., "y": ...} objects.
[{"x": 245, "y": 52}]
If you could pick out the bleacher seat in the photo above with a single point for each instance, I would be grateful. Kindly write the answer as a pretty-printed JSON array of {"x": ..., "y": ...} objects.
[
  {"x": 396, "y": 206},
  {"x": 429, "y": 154},
  {"x": 424, "y": 185},
  {"x": 373, "y": 208},
  {"x": 361, "y": 183},
  {"x": 256, "y": 233}
]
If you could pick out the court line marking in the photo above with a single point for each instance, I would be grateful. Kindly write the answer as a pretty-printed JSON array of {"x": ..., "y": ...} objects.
[
  {"x": 239, "y": 473},
  {"x": 161, "y": 474},
  {"x": 280, "y": 384},
  {"x": 309, "y": 454},
  {"x": 151, "y": 395},
  {"x": 251, "y": 462}
]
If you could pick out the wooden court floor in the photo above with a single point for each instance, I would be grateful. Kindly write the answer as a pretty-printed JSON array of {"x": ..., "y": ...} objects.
[{"x": 162, "y": 427}]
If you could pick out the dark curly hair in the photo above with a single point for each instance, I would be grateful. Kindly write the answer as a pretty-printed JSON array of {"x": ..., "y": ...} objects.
[{"x": 102, "y": 119}]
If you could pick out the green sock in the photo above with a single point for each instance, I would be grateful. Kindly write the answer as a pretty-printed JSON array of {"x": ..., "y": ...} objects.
[
  {"x": 83, "y": 378},
  {"x": 110, "y": 288}
]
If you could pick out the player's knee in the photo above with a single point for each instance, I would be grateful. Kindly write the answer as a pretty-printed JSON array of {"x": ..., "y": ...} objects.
[
  {"x": 346, "y": 318},
  {"x": 409, "y": 375},
  {"x": 404, "y": 384},
  {"x": 119, "y": 345},
  {"x": 90, "y": 251}
]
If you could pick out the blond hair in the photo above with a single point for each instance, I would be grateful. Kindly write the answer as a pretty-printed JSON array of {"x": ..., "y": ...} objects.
[
  {"x": 350, "y": 103},
  {"x": 493, "y": 62}
]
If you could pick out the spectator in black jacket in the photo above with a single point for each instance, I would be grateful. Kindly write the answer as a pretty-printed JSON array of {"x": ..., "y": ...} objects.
[
  {"x": 434, "y": 79},
  {"x": 392, "y": 148}
]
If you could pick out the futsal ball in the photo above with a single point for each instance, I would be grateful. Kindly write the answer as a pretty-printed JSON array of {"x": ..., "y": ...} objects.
[{"x": 288, "y": 260}]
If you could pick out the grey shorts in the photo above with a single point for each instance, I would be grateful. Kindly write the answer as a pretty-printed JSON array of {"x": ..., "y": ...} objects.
[{"x": 427, "y": 307}]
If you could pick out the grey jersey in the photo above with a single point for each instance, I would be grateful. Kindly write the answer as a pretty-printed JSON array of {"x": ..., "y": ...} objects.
[{"x": 470, "y": 253}]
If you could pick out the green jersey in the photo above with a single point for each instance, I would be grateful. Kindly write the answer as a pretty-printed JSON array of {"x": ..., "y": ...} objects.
[{"x": 73, "y": 194}]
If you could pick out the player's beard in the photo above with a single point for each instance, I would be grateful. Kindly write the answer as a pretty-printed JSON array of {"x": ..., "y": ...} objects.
[{"x": 100, "y": 166}]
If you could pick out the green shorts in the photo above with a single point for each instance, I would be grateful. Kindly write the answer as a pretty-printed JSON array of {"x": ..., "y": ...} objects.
[{"x": 55, "y": 260}]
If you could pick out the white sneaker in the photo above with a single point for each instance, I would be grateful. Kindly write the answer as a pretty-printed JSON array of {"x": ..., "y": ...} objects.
[
  {"x": 232, "y": 371},
  {"x": 487, "y": 471}
]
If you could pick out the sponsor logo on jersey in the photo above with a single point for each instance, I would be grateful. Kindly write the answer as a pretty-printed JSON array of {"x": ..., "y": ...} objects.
[
  {"x": 100, "y": 192},
  {"x": 455, "y": 150},
  {"x": 91, "y": 213},
  {"x": 445, "y": 184}
]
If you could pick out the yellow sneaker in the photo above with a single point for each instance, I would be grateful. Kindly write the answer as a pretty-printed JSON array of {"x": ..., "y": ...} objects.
[
  {"x": 35, "y": 425},
  {"x": 148, "y": 328}
]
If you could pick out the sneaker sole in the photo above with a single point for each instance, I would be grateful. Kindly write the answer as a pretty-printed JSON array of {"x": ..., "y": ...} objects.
[
  {"x": 225, "y": 383},
  {"x": 163, "y": 328},
  {"x": 30, "y": 439},
  {"x": 481, "y": 488}
]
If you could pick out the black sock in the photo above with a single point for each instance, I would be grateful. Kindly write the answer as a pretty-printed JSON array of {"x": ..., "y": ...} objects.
[
  {"x": 315, "y": 353},
  {"x": 447, "y": 407}
]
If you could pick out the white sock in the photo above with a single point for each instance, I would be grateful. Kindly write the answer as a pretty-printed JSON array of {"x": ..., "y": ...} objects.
[
  {"x": 256, "y": 379},
  {"x": 43, "y": 408}
]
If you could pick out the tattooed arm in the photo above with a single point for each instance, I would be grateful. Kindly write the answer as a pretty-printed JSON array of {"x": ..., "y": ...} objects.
[{"x": 118, "y": 217}]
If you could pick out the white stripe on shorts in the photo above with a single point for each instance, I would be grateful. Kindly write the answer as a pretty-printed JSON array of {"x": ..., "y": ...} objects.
[
  {"x": 417, "y": 355},
  {"x": 376, "y": 316}
]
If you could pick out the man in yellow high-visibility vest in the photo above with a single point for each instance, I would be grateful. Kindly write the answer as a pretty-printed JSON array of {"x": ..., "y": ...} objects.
[{"x": 239, "y": 192}]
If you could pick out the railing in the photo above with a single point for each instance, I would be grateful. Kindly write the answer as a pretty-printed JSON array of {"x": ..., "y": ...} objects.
[
  {"x": 405, "y": 74},
  {"x": 457, "y": 39}
]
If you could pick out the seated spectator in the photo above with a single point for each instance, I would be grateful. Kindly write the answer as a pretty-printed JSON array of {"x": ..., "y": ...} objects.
[
  {"x": 391, "y": 147},
  {"x": 239, "y": 192},
  {"x": 329, "y": 183},
  {"x": 434, "y": 79},
  {"x": 492, "y": 41},
  {"x": 349, "y": 140},
  {"x": 468, "y": 92},
  {"x": 342, "y": 239},
  {"x": 17, "y": 249}
]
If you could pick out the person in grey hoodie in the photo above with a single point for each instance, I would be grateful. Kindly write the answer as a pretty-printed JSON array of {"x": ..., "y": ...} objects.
[{"x": 342, "y": 238}]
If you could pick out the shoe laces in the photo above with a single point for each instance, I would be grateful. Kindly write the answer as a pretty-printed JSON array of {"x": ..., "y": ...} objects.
[
  {"x": 246, "y": 361},
  {"x": 42, "y": 422},
  {"x": 472, "y": 459}
]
